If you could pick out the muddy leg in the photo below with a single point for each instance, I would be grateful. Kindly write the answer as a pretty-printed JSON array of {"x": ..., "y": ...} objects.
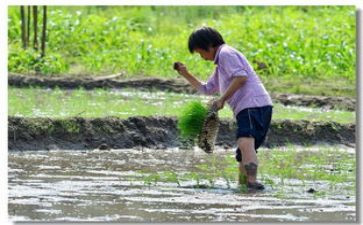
[
  {"x": 249, "y": 158},
  {"x": 242, "y": 177}
]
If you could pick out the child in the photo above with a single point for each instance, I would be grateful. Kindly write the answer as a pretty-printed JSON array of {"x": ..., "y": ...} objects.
[{"x": 239, "y": 86}]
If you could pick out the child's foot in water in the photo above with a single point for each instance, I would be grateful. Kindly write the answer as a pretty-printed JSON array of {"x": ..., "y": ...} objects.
[{"x": 255, "y": 186}]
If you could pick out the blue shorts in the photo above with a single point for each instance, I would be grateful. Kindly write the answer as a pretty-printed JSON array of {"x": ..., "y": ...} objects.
[{"x": 253, "y": 122}]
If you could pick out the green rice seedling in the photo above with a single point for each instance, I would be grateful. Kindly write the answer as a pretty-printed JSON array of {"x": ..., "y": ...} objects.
[
  {"x": 190, "y": 121},
  {"x": 269, "y": 182},
  {"x": 211, "y": 181},
  {"x": 170, "y": 176},
  {"x": 226, "y": 178},
  {"x": 193, "y": 176},
  {"x": 243, "y": 188},
  {"x": 147, "y": 180},
  {"x": 151, "y": 178}
]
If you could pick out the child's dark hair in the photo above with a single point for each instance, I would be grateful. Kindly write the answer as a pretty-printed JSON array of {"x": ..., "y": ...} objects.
[{"x": 204, "y": 38}]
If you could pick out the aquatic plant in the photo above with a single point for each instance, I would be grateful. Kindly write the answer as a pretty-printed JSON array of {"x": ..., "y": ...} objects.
[{"x": 191, "y": 118}]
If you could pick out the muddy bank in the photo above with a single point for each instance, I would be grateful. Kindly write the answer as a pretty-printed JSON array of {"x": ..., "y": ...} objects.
[
  {"x": 172, "y": 85},
  {"x": 155, "y": 132},
  {"x": 325, "y": 102}
]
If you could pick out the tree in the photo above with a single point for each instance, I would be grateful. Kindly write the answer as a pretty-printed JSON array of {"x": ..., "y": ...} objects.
[
  {"x": 35, "y": 22},
  {"x": 28, "y": 26},
  {"x": 23, "y": 26},
  {"x": 44, "y": 33}
]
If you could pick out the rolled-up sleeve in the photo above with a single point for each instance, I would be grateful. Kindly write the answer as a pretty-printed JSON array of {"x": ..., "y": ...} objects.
[
  {"x": 233, "y": 65},
  {"x": 211, "y": 86}
]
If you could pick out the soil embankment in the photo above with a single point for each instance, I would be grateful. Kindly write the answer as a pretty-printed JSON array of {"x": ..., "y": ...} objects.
[
  {"x": 155, "y": 132},
  {"x": 172, "y": 85}
]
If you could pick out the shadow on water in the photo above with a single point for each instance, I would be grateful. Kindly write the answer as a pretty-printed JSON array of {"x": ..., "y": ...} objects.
[{"x": 131, "y": 185}]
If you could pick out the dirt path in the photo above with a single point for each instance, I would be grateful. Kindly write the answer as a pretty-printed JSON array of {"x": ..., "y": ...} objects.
[
  {"x": 173, "y": 85},
  {"x": 155, "y": 132}
]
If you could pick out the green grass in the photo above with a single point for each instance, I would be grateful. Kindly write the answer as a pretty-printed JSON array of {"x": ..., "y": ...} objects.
[
  {"x": 296, "y": 43},
  {"x": 324, "y": 86},
  {"x": 57, "y": 103}
]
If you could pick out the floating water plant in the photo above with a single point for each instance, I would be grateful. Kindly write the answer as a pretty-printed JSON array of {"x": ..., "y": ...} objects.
[{"x": 191, "y": 118}]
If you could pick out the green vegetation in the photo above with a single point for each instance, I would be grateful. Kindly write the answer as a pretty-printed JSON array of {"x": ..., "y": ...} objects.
[
  {"x": 311, "y": 86},
  {"x": 191, "y": 118},
  {"x": 40, "y": 127},
  {"x": 59, "y": 103},
  {"x": 278, "y": 167},
  {"x": 323, "y": 164},
  {"x": 287, "y": 45}
]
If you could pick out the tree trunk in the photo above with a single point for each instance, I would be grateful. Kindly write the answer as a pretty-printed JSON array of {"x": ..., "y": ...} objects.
[
  {"x": 28, "y": 26},
  {"x": 44, "y": 33},
  {"x": 23, "y": 31},
  {"x": 35, "y": 22}
]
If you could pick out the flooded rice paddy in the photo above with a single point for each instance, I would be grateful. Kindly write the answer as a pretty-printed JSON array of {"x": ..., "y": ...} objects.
[
  {"x": 129, "y": 185},
  {"x": 132, "y": 102}
]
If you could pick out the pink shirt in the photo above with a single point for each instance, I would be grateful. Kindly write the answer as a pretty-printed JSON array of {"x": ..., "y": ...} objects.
[{"x": 232, "y": 63}]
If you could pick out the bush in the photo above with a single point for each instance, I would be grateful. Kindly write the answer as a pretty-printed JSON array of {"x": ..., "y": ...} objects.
[{"x": 27, "y": 60}]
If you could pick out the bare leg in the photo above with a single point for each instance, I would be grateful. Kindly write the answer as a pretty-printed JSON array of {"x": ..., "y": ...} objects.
[{"x": 249, "y": 162}]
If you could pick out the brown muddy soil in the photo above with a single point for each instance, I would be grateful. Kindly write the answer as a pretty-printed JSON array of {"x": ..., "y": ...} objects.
[
  {"x": 155, "y": 132},
  {"x": 172, "y": 85},
  {"x": 325, "y": 102}
]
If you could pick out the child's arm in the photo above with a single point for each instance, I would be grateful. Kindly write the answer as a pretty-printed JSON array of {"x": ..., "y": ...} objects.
[
  {"x": 182, "y": 70},
  {"x": 236, "y": 83}
]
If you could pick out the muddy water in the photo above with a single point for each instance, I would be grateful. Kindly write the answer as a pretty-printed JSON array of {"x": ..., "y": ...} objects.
[{"x": 110, "y": 186}]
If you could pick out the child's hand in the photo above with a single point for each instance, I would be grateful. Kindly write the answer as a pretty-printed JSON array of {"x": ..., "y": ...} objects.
[
  {"x": 181, "y": 68},
  {"x": 218, "y": 104}
]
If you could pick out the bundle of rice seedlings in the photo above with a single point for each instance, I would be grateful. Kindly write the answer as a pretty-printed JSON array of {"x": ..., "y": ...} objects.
[
  {"x": 199, "y": 121},
  {"x": 191, "y": 119},
  {"x": 209, "y": 132}
]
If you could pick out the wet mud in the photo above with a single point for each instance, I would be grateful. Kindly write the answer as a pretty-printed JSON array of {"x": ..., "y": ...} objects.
[
  {"x": 156, "y": 132},
  {"x": 172, "y": 85},
  {"x": 111, "y": 186}
]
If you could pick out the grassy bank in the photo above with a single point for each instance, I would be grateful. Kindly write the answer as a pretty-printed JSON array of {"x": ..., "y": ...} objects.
[
  {"x": 100, "y": 103},
  {"x": 293, "y": 43}
]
